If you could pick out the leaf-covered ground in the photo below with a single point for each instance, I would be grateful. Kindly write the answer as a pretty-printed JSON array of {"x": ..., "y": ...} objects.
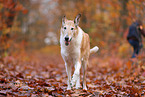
[{"x": 43, "y": 74}]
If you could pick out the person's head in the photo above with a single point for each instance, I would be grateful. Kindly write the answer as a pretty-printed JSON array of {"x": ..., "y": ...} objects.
[{"x": 139, "y": 22}]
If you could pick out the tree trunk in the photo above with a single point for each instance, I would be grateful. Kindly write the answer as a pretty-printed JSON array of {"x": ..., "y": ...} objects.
[
  {"x": 7, "y": 14},
  {"x": 123, "y": 15}
]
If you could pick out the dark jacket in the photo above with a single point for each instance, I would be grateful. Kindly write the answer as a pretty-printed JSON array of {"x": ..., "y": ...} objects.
[{"x": 135, "y": 33}]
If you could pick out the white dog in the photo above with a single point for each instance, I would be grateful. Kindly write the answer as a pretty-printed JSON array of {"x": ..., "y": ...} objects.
[{"x": 75, "y": 49}]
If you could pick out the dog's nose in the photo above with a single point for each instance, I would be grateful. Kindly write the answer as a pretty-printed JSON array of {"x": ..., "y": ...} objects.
[{"x": 66, "y": 38}]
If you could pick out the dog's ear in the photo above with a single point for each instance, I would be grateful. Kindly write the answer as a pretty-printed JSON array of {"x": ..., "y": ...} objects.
[
  {"x": 77, "y": 19},
  {"x": 63, "y": 20}
]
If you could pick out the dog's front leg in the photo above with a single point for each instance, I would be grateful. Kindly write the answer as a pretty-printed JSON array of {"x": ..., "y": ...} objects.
[
  {"x": 76, "y": 75},
  {"x": 78, "y": 85},
  {"x": 68, "y": 70}
]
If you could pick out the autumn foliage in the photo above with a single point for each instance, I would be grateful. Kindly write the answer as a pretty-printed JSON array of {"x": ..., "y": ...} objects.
[
  {"x": 8, "y": 12},
  {"x": 30, "y": 67},
  {"x": 40, "y": 75}
]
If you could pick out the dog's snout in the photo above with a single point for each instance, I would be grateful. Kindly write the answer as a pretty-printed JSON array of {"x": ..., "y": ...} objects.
[{"x": 66, "y": 38}]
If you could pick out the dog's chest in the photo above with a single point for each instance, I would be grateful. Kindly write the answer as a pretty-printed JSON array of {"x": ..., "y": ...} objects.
[
  {"x": 71, "y": 50},
  {"x": 70, "y": 54}
]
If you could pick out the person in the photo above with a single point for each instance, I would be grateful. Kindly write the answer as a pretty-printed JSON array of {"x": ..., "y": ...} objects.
[{"x": 134, "y": 37}]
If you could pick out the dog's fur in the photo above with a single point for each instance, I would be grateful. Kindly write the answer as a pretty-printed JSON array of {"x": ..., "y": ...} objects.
[{"x": 75, "y": 49}]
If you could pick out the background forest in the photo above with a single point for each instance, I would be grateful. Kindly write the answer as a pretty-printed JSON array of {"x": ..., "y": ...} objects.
[
  {"x": 29, "y": 37},
  {"x": 36, "y": 23}
]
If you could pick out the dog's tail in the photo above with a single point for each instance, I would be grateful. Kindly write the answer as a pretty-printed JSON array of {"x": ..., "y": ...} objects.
[{"x": 94, "y": 50}]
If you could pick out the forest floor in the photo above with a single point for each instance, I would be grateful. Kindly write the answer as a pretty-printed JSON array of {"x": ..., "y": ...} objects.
[{"x": 42, "y": 73}]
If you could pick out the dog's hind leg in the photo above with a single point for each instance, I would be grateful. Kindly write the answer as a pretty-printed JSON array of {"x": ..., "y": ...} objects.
[
  {"x": 68, "y": 70},
  {"x": 84, "y": 64},
  {"x": 76, "y": 75}
]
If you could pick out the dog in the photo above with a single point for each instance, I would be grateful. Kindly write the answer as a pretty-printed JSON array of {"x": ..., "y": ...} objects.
[{"x": 75, "y": 49}]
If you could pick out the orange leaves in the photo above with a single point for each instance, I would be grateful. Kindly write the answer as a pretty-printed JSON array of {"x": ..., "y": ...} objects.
[
  {"x": 120, "y": 79},
  {"x": 14, "y": 6},
  {"x": 11, "y": 7},
  {"x": 9, "y": 4},
  {"x": 8, "y": 10},
  {"x": 25, "y": 11},
  {"x": 129, "y": 63},
  {"x": 19, "y": 7},
  {"x": 44, "y": 74}
]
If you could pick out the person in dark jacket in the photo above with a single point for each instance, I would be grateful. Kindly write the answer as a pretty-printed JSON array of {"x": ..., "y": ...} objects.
[{"x": 134, "y": 37}]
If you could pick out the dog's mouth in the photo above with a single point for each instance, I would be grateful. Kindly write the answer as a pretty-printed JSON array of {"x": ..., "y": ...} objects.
[{"x": 68, "y": 42}]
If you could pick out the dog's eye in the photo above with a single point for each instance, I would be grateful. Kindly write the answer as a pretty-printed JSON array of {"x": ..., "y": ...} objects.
[
  {"x": 65, "y": 28},
  {"x": 72, "y": 28}
]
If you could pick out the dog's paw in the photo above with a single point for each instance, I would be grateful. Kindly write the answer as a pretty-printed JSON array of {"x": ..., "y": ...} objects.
[
  {"x": 74, "y": 79},
  {"x": 84, "y": 88},
  {"x": 72, "y": 83},
  {"x": 69, "y": 88},
  {"x": 78, "y": 87}
]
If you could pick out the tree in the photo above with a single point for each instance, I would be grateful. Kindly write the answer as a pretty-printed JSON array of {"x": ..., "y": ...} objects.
[
  {"x": 7, "y": 15},
  {"x": 124, "y": 14}
]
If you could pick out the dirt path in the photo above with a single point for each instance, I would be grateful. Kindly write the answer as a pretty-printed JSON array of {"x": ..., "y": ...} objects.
[{"x": 43, "y": 74}]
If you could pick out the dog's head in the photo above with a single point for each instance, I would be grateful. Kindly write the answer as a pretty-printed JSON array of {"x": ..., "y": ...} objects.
[{"x": 69, "y": 28}]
